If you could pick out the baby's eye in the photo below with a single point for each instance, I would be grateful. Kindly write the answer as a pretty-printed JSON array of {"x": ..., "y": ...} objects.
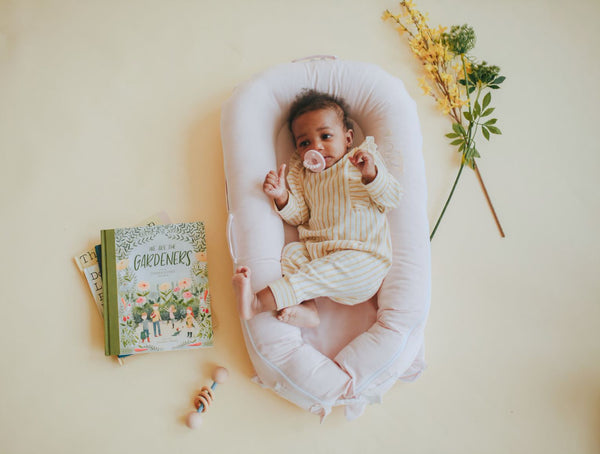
[
  {"x": 326, "y": 136},
  {"x": 303, "y": 144}
]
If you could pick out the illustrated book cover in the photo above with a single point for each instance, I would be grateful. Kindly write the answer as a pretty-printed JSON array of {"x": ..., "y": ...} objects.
[
  {"x": 156, "y": 292},
  {"x": 87, "y": 262}
]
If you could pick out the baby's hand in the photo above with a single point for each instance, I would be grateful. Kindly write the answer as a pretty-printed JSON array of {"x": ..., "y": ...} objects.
[
  {"x": 274, "y": 187},
  {"x": 365, "y": 162}
]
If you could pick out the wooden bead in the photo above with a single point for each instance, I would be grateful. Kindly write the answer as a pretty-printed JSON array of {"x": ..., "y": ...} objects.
[
  {"x": 220, "y": 375},
  {"x": 194, "y": 420}
]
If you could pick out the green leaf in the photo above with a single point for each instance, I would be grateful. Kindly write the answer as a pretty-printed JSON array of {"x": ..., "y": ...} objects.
[
  {"x": 499, "y": 80},
  {"x": 457, "y": 142},
  {"x": 494, "y": 130},
  {"x": 485, "y": 132},
  {"x": 459, "y": 129},
  {"x": 462, "y": 81},
  {"x": 495, "y": 87},
  {"x": 452, "y": 135},
  {"x": 472, "y": 89},
  {"x": 491, "y": 122},
  {"x": 477, "y": 109},
  {"x": 468, "y": 116},
  {"x": 469, "y": 157},
  {"x": 486, "y": 100},
  {"x": 472, "y": 153},
  {"x": 488, "y": 111}
]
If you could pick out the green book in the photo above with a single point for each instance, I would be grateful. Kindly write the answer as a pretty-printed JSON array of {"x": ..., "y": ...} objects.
[{"x": 155, "y": 281}]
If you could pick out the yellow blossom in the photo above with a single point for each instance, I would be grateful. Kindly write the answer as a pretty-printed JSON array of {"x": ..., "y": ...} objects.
[
  {"x": 424, "y": 86},
  {"x": 444, "y": 105},
  {"x": 446, "y": 77},
  {"x": 440, "y": 74},
  {"x": 408, "y": 4}
]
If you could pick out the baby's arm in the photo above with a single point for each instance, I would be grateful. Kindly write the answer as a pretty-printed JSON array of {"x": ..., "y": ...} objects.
[
  {"x": 290, "y": 204},
  {"x": 383, "y": 188},
  {"x": 365, "y": 162},
  {"x": 274, "y": 187}
]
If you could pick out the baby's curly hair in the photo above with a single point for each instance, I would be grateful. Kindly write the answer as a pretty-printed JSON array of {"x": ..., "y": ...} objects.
[{"x": 310, "y": 100}]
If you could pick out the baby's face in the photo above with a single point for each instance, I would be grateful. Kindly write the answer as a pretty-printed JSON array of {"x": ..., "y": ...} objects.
[{"x": 323, "y": 131}]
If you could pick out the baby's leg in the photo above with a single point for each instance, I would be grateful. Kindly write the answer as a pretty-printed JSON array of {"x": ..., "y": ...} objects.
[
  {"x": 303, "y": 315},
  {"x": 249, "y": 304},
  {"x": 347, "y": 277}
]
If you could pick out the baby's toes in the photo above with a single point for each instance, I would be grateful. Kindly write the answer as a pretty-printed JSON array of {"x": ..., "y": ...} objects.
[{"x": 283, "y": 316}]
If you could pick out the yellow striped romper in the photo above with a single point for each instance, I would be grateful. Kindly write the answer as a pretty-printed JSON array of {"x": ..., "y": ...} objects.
[{"x": 345, "y": 247}]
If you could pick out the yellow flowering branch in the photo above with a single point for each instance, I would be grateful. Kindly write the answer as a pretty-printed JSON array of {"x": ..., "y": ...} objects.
[{"x": 450, "y": 77}]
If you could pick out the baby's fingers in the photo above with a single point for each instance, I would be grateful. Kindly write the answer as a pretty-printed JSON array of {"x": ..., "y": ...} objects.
[
  {"x": 356, "y": 160},
  {"x": 281, "y": 174},
  {"x": 363, "y": 156},
  {"x": 272, "y": 178},
  {"x": 269, "y": 189}
]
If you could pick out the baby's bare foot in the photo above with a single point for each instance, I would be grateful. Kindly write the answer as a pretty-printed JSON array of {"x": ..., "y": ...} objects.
[
  {"x": 303, "y": 315},
  {"x": 248, "y": 304}
]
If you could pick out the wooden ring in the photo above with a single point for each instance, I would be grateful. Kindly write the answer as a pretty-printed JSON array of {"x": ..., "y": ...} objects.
[{"x": 204, "y": 398}]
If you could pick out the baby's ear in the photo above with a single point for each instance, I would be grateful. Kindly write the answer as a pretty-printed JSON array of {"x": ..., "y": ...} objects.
[{"x": 349, "y": 137}]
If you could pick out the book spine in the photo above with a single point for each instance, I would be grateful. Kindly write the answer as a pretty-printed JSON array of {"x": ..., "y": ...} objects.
[{"x": 109, "y": 284}]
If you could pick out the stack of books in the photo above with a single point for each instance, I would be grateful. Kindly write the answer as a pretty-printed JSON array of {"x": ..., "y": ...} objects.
[{"x": 150, "y": 283}]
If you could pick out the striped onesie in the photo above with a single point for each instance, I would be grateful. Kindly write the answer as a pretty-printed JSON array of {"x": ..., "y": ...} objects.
[{"x": 345, "y": 247}]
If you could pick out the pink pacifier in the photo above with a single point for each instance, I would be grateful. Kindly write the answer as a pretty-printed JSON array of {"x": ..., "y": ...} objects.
[{"x": 314, "y": 161}]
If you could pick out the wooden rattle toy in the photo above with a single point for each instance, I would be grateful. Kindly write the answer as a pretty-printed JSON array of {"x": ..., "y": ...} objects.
[{"x": 205, "y": 398}]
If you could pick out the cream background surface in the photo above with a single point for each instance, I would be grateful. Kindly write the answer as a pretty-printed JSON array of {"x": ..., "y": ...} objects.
[{"x": 109, "y": 112}]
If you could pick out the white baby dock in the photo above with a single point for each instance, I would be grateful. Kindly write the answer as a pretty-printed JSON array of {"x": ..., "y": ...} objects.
[{"x": 357, "y": 352}]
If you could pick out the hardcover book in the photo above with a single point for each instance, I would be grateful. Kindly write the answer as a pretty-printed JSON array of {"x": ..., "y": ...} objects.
[
  {"x": 87, "y": 262},
  {"x": 156, "y": 293}
]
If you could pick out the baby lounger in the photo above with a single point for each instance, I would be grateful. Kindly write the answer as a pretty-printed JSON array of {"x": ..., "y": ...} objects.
[{"x": 357, "y": 352}]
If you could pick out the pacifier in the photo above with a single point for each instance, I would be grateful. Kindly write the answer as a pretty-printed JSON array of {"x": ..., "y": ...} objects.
[{"x": 314, "y": 161}]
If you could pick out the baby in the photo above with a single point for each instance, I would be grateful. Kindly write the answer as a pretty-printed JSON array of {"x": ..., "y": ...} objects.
[{"x": 344, "y": 250}]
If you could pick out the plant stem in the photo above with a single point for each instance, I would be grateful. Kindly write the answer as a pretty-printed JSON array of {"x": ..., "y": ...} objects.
[
  {"x": 462, "y": 59},
  {"x": 462, "y": 165},
  {"x": 489, "y": 201}
]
